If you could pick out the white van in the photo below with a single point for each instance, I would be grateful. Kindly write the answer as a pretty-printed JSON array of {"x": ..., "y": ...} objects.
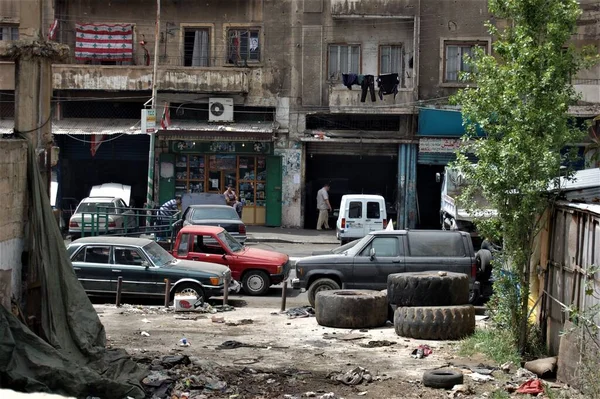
[{"x": 359, "y": 215}]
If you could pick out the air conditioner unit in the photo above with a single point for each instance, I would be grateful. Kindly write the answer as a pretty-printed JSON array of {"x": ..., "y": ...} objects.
[{"x": 220, "y": 109}]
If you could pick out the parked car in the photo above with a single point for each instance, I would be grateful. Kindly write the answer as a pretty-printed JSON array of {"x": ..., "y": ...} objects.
[
  {"x": 367, "y": 264},
  {"x": 257, "y": 269},
  {"x": 111, "y": 215},
  {"x": 360, "y": 214},
  {"x": 99, "y": 262},
  {"x": 215, "y": 215}
]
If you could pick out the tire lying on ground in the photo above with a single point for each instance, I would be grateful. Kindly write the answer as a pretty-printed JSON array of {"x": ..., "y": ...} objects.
[
  {"x": 442, "y": 378},
  {"x": 428, "y": 289},
  {"x": 351, "y": 308},
  {"x": 435, "y": 322}
]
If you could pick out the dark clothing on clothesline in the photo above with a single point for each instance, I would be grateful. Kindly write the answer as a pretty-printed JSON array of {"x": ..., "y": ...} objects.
[
  {"x": 388, "y": 84},
  {"x": 349, "y": 79},
  {"x": 368, "y": 84}
]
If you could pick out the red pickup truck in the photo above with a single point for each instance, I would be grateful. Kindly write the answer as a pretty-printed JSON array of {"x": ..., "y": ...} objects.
[{"x": 257, "y": 269}]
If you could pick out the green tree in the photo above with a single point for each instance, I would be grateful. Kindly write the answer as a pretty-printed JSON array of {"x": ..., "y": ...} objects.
[{"x": 520, "y": 99}]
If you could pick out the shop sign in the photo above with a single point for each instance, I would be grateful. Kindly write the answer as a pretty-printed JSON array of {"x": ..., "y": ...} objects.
[
  {"x": 221, "y": 147},
  {"x": 148, "y": 121},
  {"x": 439, "y": 145}
]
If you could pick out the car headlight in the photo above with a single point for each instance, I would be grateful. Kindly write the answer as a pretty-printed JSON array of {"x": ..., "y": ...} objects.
[
  {"x": 279, "y": 269},
  {"x": 216, "y": 280}
]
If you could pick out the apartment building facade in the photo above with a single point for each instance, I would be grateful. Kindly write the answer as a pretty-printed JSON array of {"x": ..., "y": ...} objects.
[{"x": 275, "y": 97}]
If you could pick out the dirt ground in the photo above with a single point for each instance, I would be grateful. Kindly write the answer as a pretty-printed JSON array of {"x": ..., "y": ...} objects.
[{"x": 289, "y": 357}]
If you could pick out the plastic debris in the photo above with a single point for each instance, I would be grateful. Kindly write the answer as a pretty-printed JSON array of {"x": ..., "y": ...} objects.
[
  {"x": 303, "y": 311},
  {"x": 144, "y": 334},
  {"x": 533, "y": 387},
  {"x": 184, "y": 342},
  {"x": 421, "y": 352},
  {"x": 354, "y": 376},
  {"x": 480, "y": 377}
]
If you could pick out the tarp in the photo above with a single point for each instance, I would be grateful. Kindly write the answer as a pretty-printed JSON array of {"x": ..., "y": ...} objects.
[{"x": 70, "y": 357}]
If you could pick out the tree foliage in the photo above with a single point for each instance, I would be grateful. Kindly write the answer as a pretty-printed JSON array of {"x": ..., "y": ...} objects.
[{"x": 520, "y": 99}]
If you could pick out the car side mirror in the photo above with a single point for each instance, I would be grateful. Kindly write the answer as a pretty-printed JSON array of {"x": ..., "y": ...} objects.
[
  {"x": 224, "y": 256},
  {"x": 438, "y": 177},
  {"x": 372, "y": 253},
  {"x": 146, "y": 264}
]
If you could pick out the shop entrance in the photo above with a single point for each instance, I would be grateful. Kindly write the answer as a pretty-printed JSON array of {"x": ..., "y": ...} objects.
[{"x": 429, "y": 193}]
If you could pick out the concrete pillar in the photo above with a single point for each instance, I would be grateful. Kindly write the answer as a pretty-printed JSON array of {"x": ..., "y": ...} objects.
[{"x": 407, "y": 187}]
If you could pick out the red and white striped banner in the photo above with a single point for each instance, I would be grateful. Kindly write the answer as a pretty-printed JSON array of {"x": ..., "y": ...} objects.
[{"x": 104, "y": 42}]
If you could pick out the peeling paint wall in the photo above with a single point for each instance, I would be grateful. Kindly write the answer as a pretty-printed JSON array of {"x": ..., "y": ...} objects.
[
  {"x": 13, "y": 199},
  {"x": 292, "y": 189}
]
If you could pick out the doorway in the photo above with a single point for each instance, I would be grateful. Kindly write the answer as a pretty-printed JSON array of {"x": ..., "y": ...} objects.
[{"x": 222, "y": 171}]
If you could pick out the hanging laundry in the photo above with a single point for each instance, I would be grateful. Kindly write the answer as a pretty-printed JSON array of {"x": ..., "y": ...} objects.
[
  {"x": 360, "y": 79},
  {"x": 368, "y": 84},
  {"x": 349, "y": 79},
  {"x": 388, "y": 84}
]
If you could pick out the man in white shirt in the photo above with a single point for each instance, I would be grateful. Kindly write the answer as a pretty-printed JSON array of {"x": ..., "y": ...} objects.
[{"x": 324, "y": 207}]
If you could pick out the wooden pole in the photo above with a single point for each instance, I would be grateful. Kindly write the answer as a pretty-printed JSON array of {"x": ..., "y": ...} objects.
[
  {"x": 167, "y": 292},
  {"x": 226, "y": 291},
  {"x": 284, "y": 295},
  {"x": 119, "y": 289}
]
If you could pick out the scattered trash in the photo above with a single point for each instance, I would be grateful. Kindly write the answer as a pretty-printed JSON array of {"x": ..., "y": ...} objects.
[
  {"x": 246, "y": 360},
  {"x": 460, "y": 390},
  {"x": 363, "y": 330},
  {"x": 303, "y": 311},
  {"x": 190, "y": 317},
  {"x": 216, "y": 319},
  {"x": 173, "y": 360},
  {"x": 363, "y": 393},
  {"x": 378, "y": 344},
  {"x": 223, "y": 308},
  {"x": 481, "y": 377},
  {"x": 242, "y": 322},
  {"x": 144, "y": 334},
  {"x": 145, "y": 321},
  {"x": 533, "y": 387},
  {"x": 421, "y": 352},
  {"x": 184, "y": 342},
  {"x": 506, "y": 366},
  {"x": 354, "y": 376},
  {"x": 442, "y": 274},
  {"x": 188, "y": 303},
  {"x": 542, "y": 367},
  {"x": 524, "y": 375},
  {"x": 481, "y": 369}
]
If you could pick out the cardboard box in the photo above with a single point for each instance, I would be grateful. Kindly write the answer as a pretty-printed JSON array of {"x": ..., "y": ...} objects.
[{"x": 186, "y": 303}]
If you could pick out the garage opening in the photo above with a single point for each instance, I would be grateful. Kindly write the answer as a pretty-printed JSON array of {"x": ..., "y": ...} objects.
[
  {"x": 429, "y": 196},
  {"x": 349, "y": 174}
]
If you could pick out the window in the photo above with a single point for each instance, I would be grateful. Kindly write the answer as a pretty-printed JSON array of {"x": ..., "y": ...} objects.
[
  {"x": 436, "y": 244},
  {"x": 184, "y": 245},
  {"x": 390, "y": 59},
  {"x": 128, "y": 256},
  {"x": 355, "y": 210},
  {"x": 196, "y": 47},
  {"x": 455, "y": 58},
  {"x": 9, "y": 32},
  {"x": 384, "y": 247},
  {"x": 343, "y": 59},
  {"x": 243, "y": 46},
  {"x": 96, "y": 254},
  {"x": 373, "y": 211}
]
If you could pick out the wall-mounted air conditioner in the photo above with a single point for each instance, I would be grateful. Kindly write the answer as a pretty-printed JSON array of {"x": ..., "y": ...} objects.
[{"x": 220, "y": 109}]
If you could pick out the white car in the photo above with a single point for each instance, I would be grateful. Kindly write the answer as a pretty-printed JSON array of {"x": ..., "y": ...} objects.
[{"x": 103, "y": 215}]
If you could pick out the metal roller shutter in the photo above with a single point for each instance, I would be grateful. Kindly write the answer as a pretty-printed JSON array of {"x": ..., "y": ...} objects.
[{"x": 338, "y": 148}]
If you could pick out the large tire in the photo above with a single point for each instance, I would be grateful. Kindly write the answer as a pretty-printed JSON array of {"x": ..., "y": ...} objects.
[
  {"x": 256, "y": 282},
  {"x": 435, "y": 322},
  {"x": 351, "y": 308},
  {"x": 428, "y": 289},
  {"x": 442, "y": 378},
  {"x": 483, "y": 257},
  {"x": 322, "y": 284}
]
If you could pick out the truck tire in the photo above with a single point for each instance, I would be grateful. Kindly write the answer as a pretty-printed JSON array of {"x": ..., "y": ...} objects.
[
  {"x": 322, "y": 284},
  {"x": 351, "y": 308},
  {"x": 435, "y": 322},
  {"x": 442, "y": 378},
  {"x": 483, "y": 257},
  {"x": 428, "y": 289}
]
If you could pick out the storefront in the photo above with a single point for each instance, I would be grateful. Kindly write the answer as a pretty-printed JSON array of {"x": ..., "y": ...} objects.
[{"x": 191, "y": 166}]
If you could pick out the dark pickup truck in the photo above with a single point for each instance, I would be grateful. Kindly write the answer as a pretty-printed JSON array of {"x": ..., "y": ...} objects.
[{"x": 367, "y": 264}]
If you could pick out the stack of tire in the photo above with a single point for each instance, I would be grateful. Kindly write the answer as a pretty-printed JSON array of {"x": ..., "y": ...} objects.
[
  {"x": 351, "y": 308},
  {"x": 431, "y": 305}
]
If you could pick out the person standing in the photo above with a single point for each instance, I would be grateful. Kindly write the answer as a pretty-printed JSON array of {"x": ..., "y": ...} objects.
[
  {"x": 324, "y": 207},
  {"x": 165, "y": 214},
  {"x": 230, "y": 196}
]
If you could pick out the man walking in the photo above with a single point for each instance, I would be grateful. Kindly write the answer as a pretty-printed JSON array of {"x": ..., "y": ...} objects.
[{"x": 324, "y": 207}]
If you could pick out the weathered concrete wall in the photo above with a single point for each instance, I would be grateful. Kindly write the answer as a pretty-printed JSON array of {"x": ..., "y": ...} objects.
[
  {"x": 373, "y": 7},
  {"x": 450, "y": 20},
  {"x": 13, "y": 199},
  {"x": 291, "y": 188}
]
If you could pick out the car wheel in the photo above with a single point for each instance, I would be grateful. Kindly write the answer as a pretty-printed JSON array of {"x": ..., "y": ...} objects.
[
  {"x": 256, "y": 282},
  {"x": 322, "y": 284},
  {"x": 483, "y": 257},
  {"x": 442, "y": 378},
  {"x": 189, "y": 289}
]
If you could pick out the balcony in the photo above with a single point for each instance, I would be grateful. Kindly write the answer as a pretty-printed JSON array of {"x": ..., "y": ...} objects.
[
  {"x": 343, "y": 100},
  {"x": 171, "y": 78},
  {"x": 398, "y": 9}
]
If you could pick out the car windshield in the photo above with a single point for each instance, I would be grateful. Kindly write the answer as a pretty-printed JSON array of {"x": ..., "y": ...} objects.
[
  {"x": 157, "y": 254},
  {"x": 359, "y": 245},
  {"x": 214, "y": 213},
  {"x": 230, "y": 242},
  {"x": 93, "y": 207}
]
